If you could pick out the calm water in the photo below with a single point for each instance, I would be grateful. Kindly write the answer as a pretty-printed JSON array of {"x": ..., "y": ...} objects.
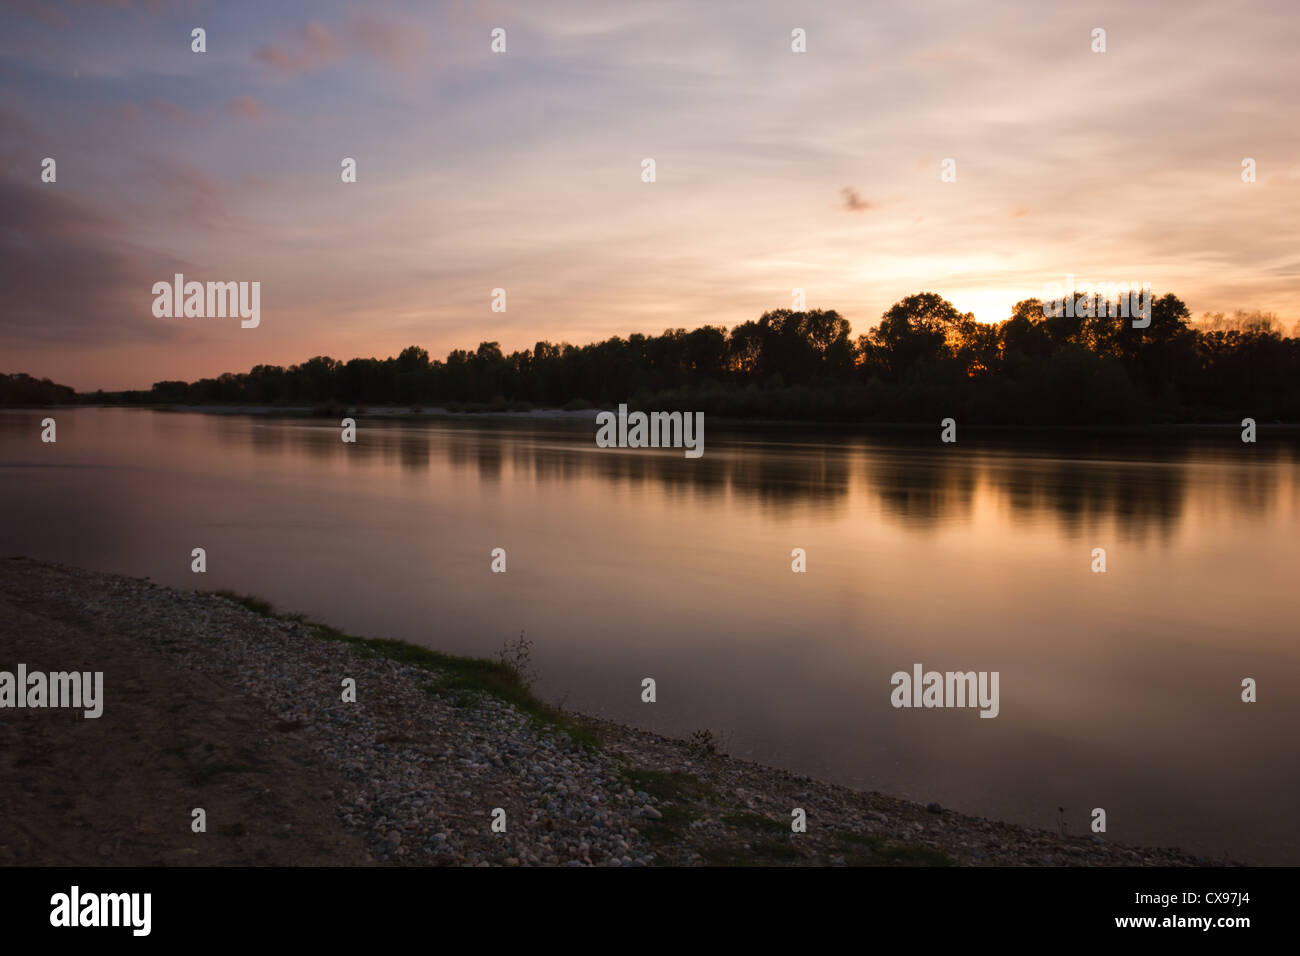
[{"x": 1118, "y": 690}]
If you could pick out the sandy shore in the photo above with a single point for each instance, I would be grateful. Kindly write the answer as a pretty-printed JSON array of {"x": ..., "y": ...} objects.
[{"x": 223, "y": 705}]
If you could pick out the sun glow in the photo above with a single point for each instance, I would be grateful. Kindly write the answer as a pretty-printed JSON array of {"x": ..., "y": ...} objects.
[{"x": 989, "y": 305}]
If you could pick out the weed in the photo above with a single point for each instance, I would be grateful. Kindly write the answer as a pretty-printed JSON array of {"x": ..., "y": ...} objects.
[
  {"x": 463, "y": 679},
  {"x": 518, "y": 656},
  {"x": 755, "y": 821},
  {"x": 702, "y": 743}
]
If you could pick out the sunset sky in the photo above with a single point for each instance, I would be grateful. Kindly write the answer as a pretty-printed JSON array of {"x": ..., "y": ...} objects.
[{"x": 522, "y": 170}]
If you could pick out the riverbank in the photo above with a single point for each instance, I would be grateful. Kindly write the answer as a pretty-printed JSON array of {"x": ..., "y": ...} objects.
[
  {"x": 478, "y": 413},
  {"x": 218, "y": 702}
]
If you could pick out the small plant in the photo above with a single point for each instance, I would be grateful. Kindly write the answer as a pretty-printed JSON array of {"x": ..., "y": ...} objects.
[
  {"x": 702, "y": 743},
  {"x": 254, "y": 604},
  {"x": 1060, "y": 820},
  {"x": 518, "y": 656}
]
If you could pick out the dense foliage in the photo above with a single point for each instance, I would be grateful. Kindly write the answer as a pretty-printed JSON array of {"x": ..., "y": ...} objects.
[
  {"x": 21, "y": 389},
  {"x": 925, "y": 360}
]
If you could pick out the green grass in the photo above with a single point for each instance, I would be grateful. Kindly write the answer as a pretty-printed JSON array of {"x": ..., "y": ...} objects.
[
  {"x": 756, "y": 821},
  {"x": 668, "y": 829},
  {"x": 760, "y": 853},
  {"x": 463, "y": 679},
  {"x": 678, "y": 790},
  {"x": 866, "y": 850},
  {"x": 254, "y": 604},
  {"x": 669, "y": 784}
]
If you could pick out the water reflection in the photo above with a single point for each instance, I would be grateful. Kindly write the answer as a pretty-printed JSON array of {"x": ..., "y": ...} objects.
[
  {"x": 624, "y": 564},
  {"x": 1079, "y": 480}
]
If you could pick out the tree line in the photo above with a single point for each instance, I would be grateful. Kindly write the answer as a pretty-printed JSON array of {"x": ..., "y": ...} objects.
[
  {"x": 22, "y": 389},
  {"x": 924, "y": 360}
]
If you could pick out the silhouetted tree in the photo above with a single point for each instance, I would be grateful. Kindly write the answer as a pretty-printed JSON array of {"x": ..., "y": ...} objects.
[{"x": 924, "y": 359}]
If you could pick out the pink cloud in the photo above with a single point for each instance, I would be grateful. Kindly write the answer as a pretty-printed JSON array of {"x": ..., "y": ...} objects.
[
  {"x": 311, "y": 51},
  {"x": 125, "y": 113},
  {"x": 13, "y": 123},
  {"x": 388, "y": 41},
  {"x": 245, "y": 107},
  {"x": 385, "y": 40},
  {"x": 170, "y": 110},
  {"x": 197, "y": 197}
]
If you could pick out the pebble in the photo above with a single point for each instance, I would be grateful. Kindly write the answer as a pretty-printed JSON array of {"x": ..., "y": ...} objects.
[{"x": 425, "y": 796}]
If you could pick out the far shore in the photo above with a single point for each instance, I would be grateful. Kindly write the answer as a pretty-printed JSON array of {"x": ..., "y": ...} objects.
[
  {"x": 219, "y": 702},
  {"x": 588, "y": 415}
]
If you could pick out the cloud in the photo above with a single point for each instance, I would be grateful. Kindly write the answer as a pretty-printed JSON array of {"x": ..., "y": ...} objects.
[
  {"x": 41, "y": 11},
  {"x": 199, "y": 201},
  {"x": 14, "y": 129},
  {"x": 171, "y": 110},
  {"x": 314, "y": 49},
  {"x": 386, "y": 40},
  {"x": 123, "y": 114},
  {"x": 67, "y": 278},
  {"x": 245, "y": 107},
  {"x": 854, "y": 202},
  {"x": 47, "y": 12}
]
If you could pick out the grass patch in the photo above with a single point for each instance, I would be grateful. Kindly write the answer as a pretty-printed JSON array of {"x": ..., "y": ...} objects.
[
  {"x": 669, "y": 784},
  {"x": 866, "y": 850},
  {"x": 755, "y": 821},
  {"x": 760, "y": 853},
  {"x": 667, "y": 829},
  {"x": 254, "y": 604},
  {"x": 675, "y": 791},
  {"x": 461, "y": 678},
  {"x": 465, "y": 677}
]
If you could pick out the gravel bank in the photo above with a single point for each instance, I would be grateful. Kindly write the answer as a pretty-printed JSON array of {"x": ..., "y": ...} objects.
[{"x": 210, "y": 704}]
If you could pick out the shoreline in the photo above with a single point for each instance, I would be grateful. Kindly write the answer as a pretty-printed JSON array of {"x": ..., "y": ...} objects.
[
  {"x": 217, "y": 701},
  {"x": 408, "y": 413}
]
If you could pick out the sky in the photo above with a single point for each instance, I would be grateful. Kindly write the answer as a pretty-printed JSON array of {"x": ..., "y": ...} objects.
[{"x": 522, "y": 170}]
